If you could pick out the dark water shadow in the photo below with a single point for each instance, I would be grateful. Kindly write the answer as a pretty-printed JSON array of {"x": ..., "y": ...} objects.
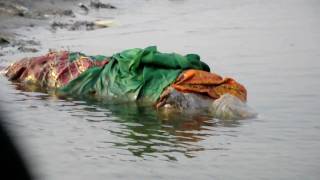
[
  {"x": 145, "y": 131},
  {"x": 148, "y": 132}
]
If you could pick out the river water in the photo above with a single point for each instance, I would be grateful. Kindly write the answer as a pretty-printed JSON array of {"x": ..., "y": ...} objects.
[{"x": 272, "y": 47}]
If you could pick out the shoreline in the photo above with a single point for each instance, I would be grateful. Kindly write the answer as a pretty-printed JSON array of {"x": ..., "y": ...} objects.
[{"x": 20, "y": 19}]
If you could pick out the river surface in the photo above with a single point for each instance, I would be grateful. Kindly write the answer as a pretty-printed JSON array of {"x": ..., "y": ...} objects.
[{"x": 270, "y": 46}]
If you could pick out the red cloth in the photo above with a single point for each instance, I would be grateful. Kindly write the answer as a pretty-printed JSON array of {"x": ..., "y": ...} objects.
[{"x": 51, "y": 70}]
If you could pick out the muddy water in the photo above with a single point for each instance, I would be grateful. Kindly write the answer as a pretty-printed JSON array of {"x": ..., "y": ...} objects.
[{"x": 272, "y": 47}]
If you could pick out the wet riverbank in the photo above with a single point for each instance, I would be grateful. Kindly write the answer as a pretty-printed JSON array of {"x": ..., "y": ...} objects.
[{"x": 20, "y": 19}]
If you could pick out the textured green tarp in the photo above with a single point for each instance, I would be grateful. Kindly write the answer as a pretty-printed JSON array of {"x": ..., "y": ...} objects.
[{"x": 133, "y": 74}]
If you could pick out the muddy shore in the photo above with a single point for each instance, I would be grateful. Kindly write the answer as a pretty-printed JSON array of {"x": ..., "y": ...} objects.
[{"x": 19, "y": 19}]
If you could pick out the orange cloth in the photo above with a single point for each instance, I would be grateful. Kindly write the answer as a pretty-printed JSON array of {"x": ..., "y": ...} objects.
[{"x": 211, "y": 84}]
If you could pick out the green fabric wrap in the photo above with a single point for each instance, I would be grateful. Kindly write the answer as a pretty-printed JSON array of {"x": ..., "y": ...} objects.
[{"x": 133, "y": 74}]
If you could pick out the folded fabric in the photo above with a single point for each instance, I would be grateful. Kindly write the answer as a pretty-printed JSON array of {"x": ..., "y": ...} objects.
[
  {"x": 210, "y": 84},
  {"x": 134, "y": 74}
]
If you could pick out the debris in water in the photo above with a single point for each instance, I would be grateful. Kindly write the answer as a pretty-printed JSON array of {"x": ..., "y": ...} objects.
[
  {"x": 68, "y": 12},
  {"x": 103, "y": 23},
  {"x": 59, "y": 12},
  {"x": 4, "y": 41},
  {"x": 98, "y": 4},
  {"x": 81, "y": 25},
  {"x": 13, "y": 9},
  {"x": 27, "y": 49},
  {"x": 78, "y": 25},
  {"x": 84, "y": 7}
]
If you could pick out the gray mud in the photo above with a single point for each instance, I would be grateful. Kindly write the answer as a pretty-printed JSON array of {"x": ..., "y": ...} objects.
[{"x": 28, "y": 15}]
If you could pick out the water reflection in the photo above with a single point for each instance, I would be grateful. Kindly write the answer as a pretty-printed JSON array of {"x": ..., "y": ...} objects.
[{"x": 142, "y": 130}]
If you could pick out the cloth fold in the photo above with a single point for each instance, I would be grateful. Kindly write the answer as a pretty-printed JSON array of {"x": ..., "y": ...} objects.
[
  {"x": 210, "y": 84},
  {"x": 134, "y": 74}
]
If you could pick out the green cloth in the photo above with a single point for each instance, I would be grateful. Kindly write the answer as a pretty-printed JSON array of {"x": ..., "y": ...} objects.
[{"x": 133, "y": 74}]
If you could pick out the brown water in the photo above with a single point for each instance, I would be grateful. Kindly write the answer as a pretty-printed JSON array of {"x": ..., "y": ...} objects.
[{"x": 272, "y": 47}]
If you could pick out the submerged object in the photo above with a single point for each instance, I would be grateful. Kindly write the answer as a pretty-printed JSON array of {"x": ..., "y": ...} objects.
[
  {"x": 230, "y": 107},
  {"x": 133, "y": 75},
  {"x": 165, "y": 80}
]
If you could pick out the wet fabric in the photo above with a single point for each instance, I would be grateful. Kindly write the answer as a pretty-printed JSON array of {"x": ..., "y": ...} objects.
[
  {"x": 54, "y": 69},
  {"x": 134, "y": 74},
  {"x": 209, "y": 84}
]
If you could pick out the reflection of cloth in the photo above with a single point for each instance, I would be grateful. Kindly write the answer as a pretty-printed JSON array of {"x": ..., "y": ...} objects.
[
  {"x": 213, "y": 85},
  {"x": 54, "y": 69}
]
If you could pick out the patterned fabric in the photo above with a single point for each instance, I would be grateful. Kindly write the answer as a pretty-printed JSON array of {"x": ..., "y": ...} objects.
[
  {"x": 133, "y": 74},
  {"x": 210, "y": 84},
  {"x": 54, "y": 69},
  {"x": 143, "y": 73}
]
